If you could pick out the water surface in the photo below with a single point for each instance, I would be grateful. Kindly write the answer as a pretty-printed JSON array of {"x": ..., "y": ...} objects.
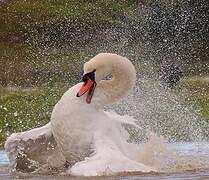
[
  {"x": 3, "y": 158},
  {"x": 194, "y": 157}
]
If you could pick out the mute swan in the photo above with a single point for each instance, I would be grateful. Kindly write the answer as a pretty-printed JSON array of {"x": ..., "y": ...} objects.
[{"x": 81, "y": 135}]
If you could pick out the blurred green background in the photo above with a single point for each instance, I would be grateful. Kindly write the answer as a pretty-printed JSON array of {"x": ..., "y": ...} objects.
[{"x": 44, "y": 43}]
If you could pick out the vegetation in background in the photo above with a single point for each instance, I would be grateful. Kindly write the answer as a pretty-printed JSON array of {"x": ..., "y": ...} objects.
[
  {"x": 22, "y": 66},
  {"x": 196, "y": 94},
  {"x": 42, "y": 39},
  {"x": 32, "y": 32},
  {"x": 25, "y": 19},
  {"x": 23, "y": 109},
  {"x": 44, "y": 43}
]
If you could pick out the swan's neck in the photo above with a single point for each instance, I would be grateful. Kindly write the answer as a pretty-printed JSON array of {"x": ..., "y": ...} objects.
[{"x": 123, "y": 79}]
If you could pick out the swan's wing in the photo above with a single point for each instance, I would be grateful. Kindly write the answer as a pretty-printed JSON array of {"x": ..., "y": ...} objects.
[
  {"x": 128, "y": 120},
  {"x": 28, "y": 150},
  {"x": 107, "y": 159}
]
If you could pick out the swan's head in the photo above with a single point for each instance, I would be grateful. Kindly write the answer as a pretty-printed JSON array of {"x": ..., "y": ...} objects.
[{"x": 102, "y": 66}]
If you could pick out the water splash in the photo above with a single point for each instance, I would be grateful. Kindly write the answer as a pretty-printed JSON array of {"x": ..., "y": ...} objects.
[
  {"x": 174, "y": 157},
  {"x": 162, "y": 112}
]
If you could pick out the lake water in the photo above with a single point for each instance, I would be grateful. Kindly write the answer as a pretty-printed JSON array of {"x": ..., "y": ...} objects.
[
  {"x": 3, "y": 158},
  {"x": 195, "y": 155}
]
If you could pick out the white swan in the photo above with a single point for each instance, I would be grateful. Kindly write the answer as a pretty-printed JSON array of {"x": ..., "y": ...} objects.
[{"x": 90, "y": 141}]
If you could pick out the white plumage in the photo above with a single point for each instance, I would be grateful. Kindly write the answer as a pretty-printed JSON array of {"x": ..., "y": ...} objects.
[{"x": 91, "y": 141}]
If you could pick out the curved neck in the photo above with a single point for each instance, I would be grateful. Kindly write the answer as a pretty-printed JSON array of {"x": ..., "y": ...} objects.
[{"x": 123, "y": 79}]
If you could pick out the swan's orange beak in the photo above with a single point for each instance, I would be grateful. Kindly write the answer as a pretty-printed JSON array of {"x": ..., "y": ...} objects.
[
  {"x": 85, "y": 87},
  {"x": 89, "y": 86}
]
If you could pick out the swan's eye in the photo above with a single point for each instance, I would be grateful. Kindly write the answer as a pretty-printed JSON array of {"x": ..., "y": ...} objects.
[{"x": 108, "y": 77}]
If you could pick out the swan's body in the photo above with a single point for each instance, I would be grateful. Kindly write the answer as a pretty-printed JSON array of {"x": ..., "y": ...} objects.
[
  {"x": 90, "y": 140},
  {"x": 73, "y": 129}
]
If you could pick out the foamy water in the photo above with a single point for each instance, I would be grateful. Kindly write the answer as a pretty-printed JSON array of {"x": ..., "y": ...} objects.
[
  {"x": 188, "y": 160},
  {"x": 165, "y": 157},
  {"x": 175, "y": 157}
]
